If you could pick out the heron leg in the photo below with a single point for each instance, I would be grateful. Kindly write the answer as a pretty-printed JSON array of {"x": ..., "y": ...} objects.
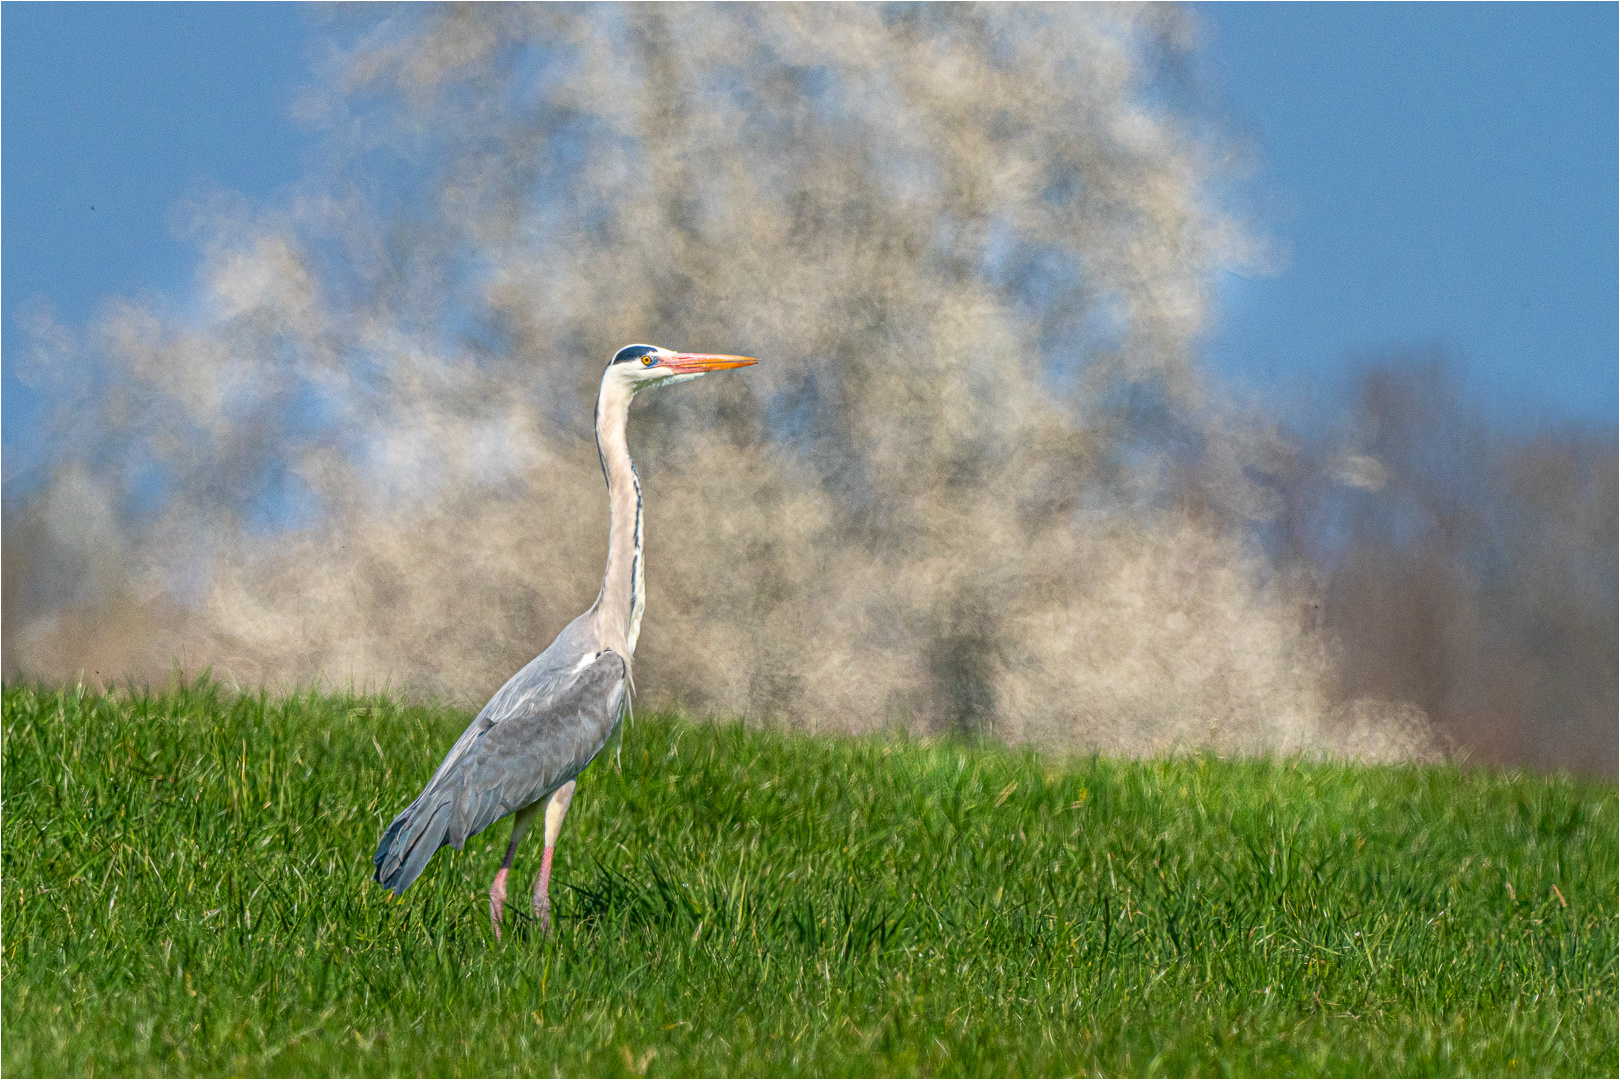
[
  {"x": 556, "y": 810},
  {"x": 497, "y": 891}
]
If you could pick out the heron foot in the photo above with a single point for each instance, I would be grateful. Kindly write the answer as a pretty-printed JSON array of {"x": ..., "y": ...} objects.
[{"x": 497, "y": 901}]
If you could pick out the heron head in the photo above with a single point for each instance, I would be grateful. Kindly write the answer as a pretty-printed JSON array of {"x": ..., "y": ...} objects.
[{"x": 642, "y": 366}]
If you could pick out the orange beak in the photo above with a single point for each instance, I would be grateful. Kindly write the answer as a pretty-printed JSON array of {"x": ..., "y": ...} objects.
[{"x": 699, "y": 363}]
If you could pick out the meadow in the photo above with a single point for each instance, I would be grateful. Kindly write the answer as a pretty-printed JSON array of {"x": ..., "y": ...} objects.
[{"x": 187, "y": 890}]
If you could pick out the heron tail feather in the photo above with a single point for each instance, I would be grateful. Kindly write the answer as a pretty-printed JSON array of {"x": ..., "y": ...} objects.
[{"x": 410, "y": 841}]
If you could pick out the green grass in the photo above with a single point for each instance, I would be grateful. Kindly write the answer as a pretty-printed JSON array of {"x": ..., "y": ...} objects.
[{"x": 186, "y": 890}]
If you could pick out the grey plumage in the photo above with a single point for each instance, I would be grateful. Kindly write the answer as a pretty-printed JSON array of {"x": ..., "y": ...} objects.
[
  {"x": 537, "y": 733},
  {"x": 523, "y": 750}
]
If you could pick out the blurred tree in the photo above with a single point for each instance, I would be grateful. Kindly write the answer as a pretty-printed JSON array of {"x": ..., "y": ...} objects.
[{"x": 1470, "y": 572}]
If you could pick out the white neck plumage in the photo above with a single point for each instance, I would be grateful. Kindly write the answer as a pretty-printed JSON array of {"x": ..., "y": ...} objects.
[{"x": 618, "y": 607}]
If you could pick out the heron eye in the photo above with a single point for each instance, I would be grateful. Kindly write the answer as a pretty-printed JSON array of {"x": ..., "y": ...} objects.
[{"x": 647, "y": 361}]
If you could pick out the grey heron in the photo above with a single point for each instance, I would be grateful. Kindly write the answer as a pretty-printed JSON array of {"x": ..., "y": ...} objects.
[{"x": 524, "y": 750}]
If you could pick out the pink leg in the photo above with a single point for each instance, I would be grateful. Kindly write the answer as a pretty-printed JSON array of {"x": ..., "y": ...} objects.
[
  {"x": 497, "y": 890},
  {"x": 556, "y": 810},
  {"x": 542, "y": 890}
]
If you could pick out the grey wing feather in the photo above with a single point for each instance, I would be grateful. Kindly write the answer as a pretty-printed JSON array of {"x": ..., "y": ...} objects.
[
  {"x": 530, "y": 689},
  {"x": 539, "y": 739}
]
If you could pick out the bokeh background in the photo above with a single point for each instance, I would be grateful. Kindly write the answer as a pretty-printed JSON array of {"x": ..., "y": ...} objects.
[{"x": 1136, "y": 379}]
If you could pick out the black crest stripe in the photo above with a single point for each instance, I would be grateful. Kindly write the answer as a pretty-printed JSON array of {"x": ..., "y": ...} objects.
[{"x": 631, "y": 352}]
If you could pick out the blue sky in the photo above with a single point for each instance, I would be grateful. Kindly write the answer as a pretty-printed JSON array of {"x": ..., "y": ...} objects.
[
  {"x": 1437, "y": 175},
  {"x": 1440, "y": 175}
]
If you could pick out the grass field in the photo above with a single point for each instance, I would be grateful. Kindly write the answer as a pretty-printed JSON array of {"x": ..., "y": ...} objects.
[{"x": 186, "y": 890}]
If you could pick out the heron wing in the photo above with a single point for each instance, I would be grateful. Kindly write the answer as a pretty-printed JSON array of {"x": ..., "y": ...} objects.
[
  {"x": 529, "y": 691},
  {"x": 545, "y": 733},
  {"x": 537, "y": 748}
]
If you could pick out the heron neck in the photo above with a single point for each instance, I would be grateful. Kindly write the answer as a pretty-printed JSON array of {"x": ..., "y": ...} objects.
[{"x": 619, "y": 605}]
